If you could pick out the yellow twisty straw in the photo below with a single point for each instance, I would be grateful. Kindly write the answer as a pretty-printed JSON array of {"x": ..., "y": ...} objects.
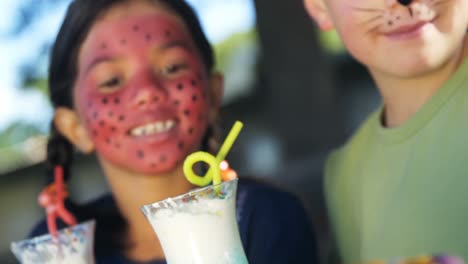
[{"x": 213, "y": 162}]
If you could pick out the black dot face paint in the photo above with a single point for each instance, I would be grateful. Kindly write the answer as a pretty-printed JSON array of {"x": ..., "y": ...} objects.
[
  {"x": 405, "y": 2},
  {"x": 148, "y": 37},
  {"x": 115, "y": 115}
]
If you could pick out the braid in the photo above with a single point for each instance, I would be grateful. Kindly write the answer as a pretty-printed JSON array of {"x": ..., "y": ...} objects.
[
  {"x": 59, "y": 152},
  {"x": 211, "y": 139}
]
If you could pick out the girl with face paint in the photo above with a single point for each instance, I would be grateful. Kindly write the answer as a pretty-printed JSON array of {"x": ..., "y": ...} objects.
[
  {"x": 393, "y": 190},
  {"x": 133, "y": 82}
]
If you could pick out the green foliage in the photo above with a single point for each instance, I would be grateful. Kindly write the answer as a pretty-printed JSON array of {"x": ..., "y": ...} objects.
[
  {"x": 331, "y": 42},
  {"x": 226, "y": 48},
  {"x": 11, "y": 158},
  {"x": 39, "y": 84},
  {"x": 13, "y": 152},
  {"x": 17, "y": 133}
]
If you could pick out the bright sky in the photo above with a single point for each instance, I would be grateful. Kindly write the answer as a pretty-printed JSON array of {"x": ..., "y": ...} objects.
[{"x": 220, "y": 18}]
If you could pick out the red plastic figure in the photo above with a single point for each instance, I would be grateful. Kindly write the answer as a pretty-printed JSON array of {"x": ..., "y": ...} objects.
[{"x": 52, "y": 199}]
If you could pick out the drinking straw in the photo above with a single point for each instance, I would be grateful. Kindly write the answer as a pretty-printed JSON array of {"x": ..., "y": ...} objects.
[
  {"x": 213, "y": 162},
  {"x": 201, "y": 156}
]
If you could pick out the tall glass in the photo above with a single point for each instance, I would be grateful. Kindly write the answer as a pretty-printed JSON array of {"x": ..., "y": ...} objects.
[
  {"x": 199, "y": 227},
  {"x": 74, "y": 245}
]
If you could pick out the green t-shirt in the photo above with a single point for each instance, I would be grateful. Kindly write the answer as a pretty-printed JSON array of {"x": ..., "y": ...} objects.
[{"x": 403, "y": 192}]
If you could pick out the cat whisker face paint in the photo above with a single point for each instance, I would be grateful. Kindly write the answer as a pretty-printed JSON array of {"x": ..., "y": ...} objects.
[
  {"x": 417, "y": 36},
  {"x": 396, "y": 14},
  {"x": 141, "y": 89}
]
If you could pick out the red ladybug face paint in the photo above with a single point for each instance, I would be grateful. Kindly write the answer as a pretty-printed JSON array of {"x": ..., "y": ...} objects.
[{"x": 141, "y": 89}]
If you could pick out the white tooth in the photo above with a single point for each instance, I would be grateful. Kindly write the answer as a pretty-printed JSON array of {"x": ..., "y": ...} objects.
[
  {"x": 137, "y": 131},
  {"x": 150, "y": 129},
  {"x": 169, "y": 124},
  {"x": 159, "y": 126}
]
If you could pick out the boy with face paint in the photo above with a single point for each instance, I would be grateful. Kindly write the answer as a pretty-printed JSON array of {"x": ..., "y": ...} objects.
[
  {"x": 132, "y": 82},
  {"x": 397, "y": 187}
]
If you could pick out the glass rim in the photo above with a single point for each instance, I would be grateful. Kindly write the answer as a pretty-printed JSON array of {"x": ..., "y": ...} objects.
[
  {"x": 61, "y": 232},
  {"x": 190, "y": 193}
]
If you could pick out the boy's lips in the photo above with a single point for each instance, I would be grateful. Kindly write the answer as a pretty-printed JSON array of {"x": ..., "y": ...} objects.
[{"x": 407, "y": 31}]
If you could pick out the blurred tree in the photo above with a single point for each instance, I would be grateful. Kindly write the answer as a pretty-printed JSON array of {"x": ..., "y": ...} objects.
[
  {"x": 31, "y": 72},
  {"x": 297, "y": 76}
]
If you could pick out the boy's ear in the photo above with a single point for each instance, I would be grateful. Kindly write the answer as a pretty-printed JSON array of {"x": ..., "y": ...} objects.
[
  {"x": 216, "y": 91},
  {"x": 319, "y": 12},
  {"x": 69, "y": 125}
]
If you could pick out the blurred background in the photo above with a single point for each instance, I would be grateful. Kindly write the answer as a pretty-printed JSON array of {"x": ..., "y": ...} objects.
[{"x": 298, "y": 92}]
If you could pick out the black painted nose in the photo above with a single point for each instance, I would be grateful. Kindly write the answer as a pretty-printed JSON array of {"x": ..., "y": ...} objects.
[{"x": 405, "y": 2}]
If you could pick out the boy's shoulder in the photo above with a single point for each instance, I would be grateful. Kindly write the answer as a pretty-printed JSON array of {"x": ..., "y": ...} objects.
[
  {"x": 360, "y": 141},
  {"x": 360, "y": 138}
]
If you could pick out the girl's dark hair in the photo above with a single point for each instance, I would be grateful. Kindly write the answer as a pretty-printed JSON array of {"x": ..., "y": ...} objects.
[{"x": 80, "y": 17}]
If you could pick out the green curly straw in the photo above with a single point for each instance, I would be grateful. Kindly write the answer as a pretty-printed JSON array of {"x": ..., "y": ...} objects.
[{"x": 213, "y": 162}]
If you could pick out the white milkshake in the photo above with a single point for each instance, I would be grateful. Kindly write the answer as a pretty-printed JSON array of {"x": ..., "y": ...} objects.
[
  {"x": 199, "y": 227},
  {"x": 74, "y": 246}
]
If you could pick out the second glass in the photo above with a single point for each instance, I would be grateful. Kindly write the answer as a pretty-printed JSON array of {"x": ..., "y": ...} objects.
[{"x": 199, "y": 227}]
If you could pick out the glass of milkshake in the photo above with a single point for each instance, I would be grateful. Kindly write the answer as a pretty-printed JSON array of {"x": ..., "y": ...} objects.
[
  {"x": 74, "y": 245},
  {"x": 200, "y": 226}
]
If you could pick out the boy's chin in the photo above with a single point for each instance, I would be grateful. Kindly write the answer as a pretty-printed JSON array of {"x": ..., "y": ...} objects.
[{"x": 409, "y": 69}]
